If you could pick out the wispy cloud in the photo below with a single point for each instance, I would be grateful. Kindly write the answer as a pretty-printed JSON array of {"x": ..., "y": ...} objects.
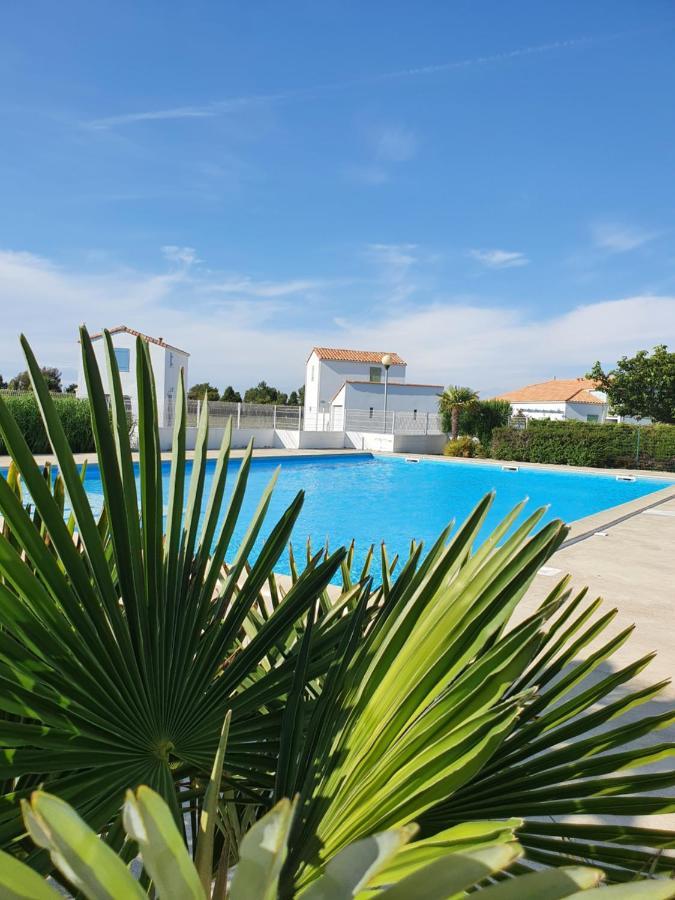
[
  {"x": 495, "y": 347},
  {"x": 499, "y": 259},
  {"x": 185, "y": 256},
  {"x": 249, "y": 287},
  {"x": 367, "y": 174},
  {"x": 395, "y": 144},
  {"x": 615, "y": 237},
  {"x": 213, "y": 108}
]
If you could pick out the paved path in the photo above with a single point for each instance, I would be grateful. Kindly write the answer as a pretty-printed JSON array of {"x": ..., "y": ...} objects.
[{"x": 632, "y": 566}]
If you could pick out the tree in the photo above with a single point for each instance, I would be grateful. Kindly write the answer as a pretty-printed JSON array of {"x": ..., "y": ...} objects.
[
  {"x": 3, "y": 383},
  {"x": 51, "y": 375},
  {"x": 480, "y": 419},
  {"x": 71, "y": 389},
  {"x": 197, "y": 391},
  {"x": 642, "y": 386},
  {"x": 229, "y": 395},
  {"x": 264, "y": 393},
  {"x": 297, "y": 398},
  {"x": 454, "y": 399}
]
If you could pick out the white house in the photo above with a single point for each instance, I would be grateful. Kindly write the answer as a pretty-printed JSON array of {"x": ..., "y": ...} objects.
[
  {"x": 340, "y": 383},
  {"x": 578, "y": 399},
  {"x": 166, "y": 365}
]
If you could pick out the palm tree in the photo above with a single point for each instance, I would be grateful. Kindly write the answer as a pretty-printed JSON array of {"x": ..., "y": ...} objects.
[{"x": 453, "y": 400}]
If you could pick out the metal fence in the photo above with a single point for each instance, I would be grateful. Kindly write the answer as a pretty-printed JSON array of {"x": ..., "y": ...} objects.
[
  {"x": 243, "y": 415},
  {"x": 266, "y": 415},
  {"x": 394, "y": 422}
]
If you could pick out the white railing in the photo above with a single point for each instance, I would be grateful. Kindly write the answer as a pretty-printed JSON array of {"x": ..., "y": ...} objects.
[
  {"x": 243, "y": 415},
  {"x": 395, "y": 422}
]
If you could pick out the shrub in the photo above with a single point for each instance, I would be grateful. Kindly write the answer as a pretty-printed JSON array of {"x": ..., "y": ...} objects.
[
  {"x": 587, "y": 444},
  {"x": 463, "y": 446},
  {"x": 480, "y": 419},
  {"x": 74, "y": 414}
]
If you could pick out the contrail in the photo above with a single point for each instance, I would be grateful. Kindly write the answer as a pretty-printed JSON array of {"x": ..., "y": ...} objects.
[{"x": 222, "y": 107}]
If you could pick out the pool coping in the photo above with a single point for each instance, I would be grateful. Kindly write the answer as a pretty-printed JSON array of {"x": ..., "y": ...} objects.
[{"x": 587, "y": 526}]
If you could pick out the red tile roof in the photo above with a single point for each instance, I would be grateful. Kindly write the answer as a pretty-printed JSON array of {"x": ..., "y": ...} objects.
[
  {"x": 574, "y": 390},
  {"x": 364, "y": 356},
  {"x": 146, "y": 337}
]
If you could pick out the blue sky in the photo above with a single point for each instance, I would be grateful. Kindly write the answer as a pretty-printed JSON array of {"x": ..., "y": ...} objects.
[{"x": 486, "y": 188}]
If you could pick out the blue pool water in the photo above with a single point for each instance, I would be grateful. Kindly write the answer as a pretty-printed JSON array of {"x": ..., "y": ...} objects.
[{"x": 374, "y": 499}]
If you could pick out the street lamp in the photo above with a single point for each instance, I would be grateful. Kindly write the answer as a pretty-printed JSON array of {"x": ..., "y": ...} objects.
[{"x": 386, "y": 362}]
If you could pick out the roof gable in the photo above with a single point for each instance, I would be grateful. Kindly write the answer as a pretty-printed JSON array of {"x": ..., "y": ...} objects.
[
  {"x": 563, "y": 390},
  {"x": 362, "y": 356},
  {"x": 160, "y": 342}
]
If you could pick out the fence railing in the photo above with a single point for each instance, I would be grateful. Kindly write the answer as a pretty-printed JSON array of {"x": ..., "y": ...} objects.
[
  {"x": 266, "y": 415},
  {"x": 243, "y": 415},
  {"x": 394, "y": 422}
]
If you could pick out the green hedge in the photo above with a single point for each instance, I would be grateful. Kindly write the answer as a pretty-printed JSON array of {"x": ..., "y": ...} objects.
[
  {"x": 587, "y": 444},
  {"x": 73, "y": 413}
]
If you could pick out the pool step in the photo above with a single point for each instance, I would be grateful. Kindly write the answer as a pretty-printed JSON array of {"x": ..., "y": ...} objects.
[
  {"x": 510, "y": 468},
  {"x": 626, "y": 478}
]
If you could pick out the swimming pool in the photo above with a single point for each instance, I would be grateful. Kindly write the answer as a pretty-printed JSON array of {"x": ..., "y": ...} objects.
[{"x": 376, "y": 498}]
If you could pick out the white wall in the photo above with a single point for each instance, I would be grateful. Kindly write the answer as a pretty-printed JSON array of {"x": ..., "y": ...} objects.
[
  {"x": 419, "y": 443},
  {"x": 166, "y": 364},
  {"x": 579, "y": 412},
  {"x": 292, "y": 439},
  {"x": 560, "y": 410},
  {"x": 262, "y": 438},
  {"x": 400, "y": 397},
  {"x": 328, "y": 376}
]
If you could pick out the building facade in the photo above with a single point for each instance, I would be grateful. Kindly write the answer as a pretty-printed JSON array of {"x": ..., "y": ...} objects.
[
  {"x": 349, "y": 385},
  {"x": 166, "y": 360}
]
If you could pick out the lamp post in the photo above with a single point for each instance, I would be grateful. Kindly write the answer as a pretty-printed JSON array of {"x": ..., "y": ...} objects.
[{"x": 386, "y": 362}]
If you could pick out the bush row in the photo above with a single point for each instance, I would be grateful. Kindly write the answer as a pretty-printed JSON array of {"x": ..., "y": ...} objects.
[
  {"x": 587, "y": 444},
  {"x": 73, "y": 413}
]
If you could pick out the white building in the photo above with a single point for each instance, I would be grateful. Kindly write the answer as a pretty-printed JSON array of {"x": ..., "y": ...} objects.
[
  {"x": 166, "y": 365},
  {"x": 578, "y": 399},
  {"x": 340, "y": 384}
]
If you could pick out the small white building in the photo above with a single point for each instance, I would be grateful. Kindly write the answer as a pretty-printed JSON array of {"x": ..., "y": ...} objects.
[
  {"x": 166, "y": 360},
  {"x": 578, "y": 399},
  {"x": 341, "y": 382}
]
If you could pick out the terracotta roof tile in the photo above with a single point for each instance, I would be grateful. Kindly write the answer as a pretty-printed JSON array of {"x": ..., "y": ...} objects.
[
  {"x": 364, "y": 356},
  {"x": 577, "y": 390},
  {"x": 146, "y": 337}
]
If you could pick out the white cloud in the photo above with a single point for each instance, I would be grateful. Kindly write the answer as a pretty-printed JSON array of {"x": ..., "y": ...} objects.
[
  {"x": 395, "y": 145},
  {"x": 185, "y": 256},
  {"x": 252, "y": 288},
  {"x": 499, "y": 259},
  {"x": 235, "y": 341},
  {"x": 616, "y": 238},
  {"x": 368, "y": 174}
]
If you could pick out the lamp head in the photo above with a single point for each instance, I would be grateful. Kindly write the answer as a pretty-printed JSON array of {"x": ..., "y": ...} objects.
[{"x": 386, "y": 360}]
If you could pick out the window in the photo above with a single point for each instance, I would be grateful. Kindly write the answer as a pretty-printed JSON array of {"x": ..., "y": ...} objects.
[
  {"x": 592, "y": 418},
  {"x": 414, "y": 415},
  {"x": 122, "y": 357},
  {"x": 375, "y": 373},
  {"x": 311, "y": 374},
  {"x": 370, "y": 414},
  {"x": 171, "y": 360}
]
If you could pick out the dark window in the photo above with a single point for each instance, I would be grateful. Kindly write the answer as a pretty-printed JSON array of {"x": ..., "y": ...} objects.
[
  {"x": 371, "y": 412},
  {"x": 375, "y": 373}
]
